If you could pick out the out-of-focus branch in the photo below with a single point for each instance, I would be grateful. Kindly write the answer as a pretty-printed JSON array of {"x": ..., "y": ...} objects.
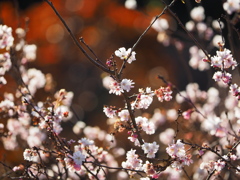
[{"x": 189, "y": 34}]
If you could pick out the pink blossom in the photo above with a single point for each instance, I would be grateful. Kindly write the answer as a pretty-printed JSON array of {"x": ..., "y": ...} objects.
[
  {"x": 124, "y": 115},
  {"x": 150, "y": 149},
  {"x": 217, "y": 76},
  {"x": 148, "y": 127},
  {"x": 219, "y": 165},
  {"x": 160, "y": 25},
  {"x": 132, "y": 162},
  {"x": 187, "y": 114},
  {"x": 5, "y": 63},
  {"x": 29, "y": 52},
  {"x": 166, "y": 136},
  {"x": 6, "y": 38},
  {"x": 164, "y": 94},
  {"x": 226, "y": 78},
  {"x": 197, "y": 13},
  {"x": 115, "y": 88},
  {"x": 231, "y": 6},
  {"x": 123, "y": 54},
  {"x": 86, "y": 142},
  {"x": 196, "y": 59},
  {"x": 78, "y": 158},
  {"x": 143, "y": 101},
  {"x": 30, "y": 155},
  {"x": 109, "y": 112},
  {"x": 150, "y": 171},
  {"x": 126, "y": 84}
]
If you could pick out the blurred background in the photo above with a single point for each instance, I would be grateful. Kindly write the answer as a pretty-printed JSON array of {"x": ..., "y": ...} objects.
[{"x": 106, "y": 25}]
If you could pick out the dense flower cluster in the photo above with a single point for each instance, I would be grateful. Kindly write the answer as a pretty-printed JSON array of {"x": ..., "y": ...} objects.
[
  {"x": 178, "y": 153},
  {"x": 156, "y": 150},
  {"x": 6, "y": 38}
]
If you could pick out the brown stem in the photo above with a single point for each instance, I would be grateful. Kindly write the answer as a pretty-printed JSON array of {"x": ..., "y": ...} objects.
[
  {"x": 105, "y": 69},
  {"x": 143, "y": 34},
  {"x": 189, "y": 34},
  {"x": 129, "y": 107}
]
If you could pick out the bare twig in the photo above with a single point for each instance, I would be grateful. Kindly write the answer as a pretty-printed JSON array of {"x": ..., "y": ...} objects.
[
  {"x": 178, "y": 92},
  {"x": 143, "y": 34},
  {"x": 189, "y": 34},
  {"x": 104, "y": 68}
]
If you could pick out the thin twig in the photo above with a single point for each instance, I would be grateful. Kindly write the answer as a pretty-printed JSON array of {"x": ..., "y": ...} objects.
[
  {"x": 189, "y": 34},
  {"x": 105, "y": 69},
  {"x": 90, "y": 49},
  {"x": 178, "y": 92},
  {"x": 143, "y": 34},
  {"x": 129, "y": 107}
]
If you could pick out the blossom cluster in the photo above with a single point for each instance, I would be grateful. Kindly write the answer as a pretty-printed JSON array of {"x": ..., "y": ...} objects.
[
  {"x": 222, "y": 61},
  {"x": 178, "y": 153},
  {"x": 37, "y": 126},
  {"x": 119, "y": 88}
]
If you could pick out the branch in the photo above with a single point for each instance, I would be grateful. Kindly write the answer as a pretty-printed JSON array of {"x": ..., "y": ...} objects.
[
  {"x": 143, "y": 34},
  {"x": 100, "y": 66},
  {"x": 189, "y": 34}
]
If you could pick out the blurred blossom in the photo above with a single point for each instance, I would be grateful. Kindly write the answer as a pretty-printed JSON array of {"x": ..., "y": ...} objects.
[
  {"x": 197, "y": 14},
  {"x": 122, "y": 175},
  {"x": 10, "y": 142},
  {"x": 131, "y": 4},
  {"x": 29, "y": 52},
  {"x": 54, "y": 33},
  {"x": 5, "y": 62},
  {"x": 231, "y": 102},
  {"x": 158, "y": 118},
  {"x": 216, "y": 25},
  {"x": 78, "y": 127},
  {"x": 35, "y": 79},
  {"x": 163, "y": 38},
  {"x": 166, "y": 137},
  {"x": 201, "y": 27},
  {"x": 35, "y": 137},
  {"x": 231, "y": 6},
  {"x": 196, "y": 59},
  {"x": 107, "y": 80},
  {"x": 20, "y": 32},
  {"x": 190, "y": 25},
  {"x": 2, "y": 81},
  {"x": 6, "y": 38},
  {"x": 216, "y": 40},
  {"x": 160, "y": 25},
  {"x": 172, "y": 114}
]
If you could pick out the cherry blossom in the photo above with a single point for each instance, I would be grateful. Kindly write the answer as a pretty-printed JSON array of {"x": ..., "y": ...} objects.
[
  {"x": 109, "y": 112},
  {"x": 131, "y": 4},
  {"x": 197, "y": 13},
  {"x": 6, "y": 38},
  {"x": 30, "y": 155},
  {"x": 132, "y": 162},
  {"x": 115, "y": 88},
  {"x": 231, "y": 6},
  {"x": 122, "y": 53},
  {"x": 160, "y": 25},
  {"x": 124, "y": 115},
  {"x": 126, "y": 84},
  {"x": 78, "y": 158},
  {"x": 150, "y": 149}
]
